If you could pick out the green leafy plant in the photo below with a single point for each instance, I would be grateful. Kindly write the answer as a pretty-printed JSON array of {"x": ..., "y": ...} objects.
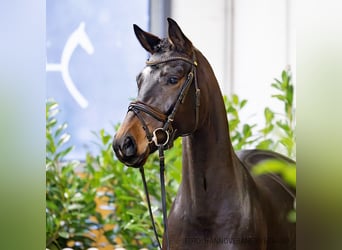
[
  {"x": 72, "y": 188},
  {"x": 279, "y": 131},
  {"x": 241, "y": 134},
  {"x": 70, "y": 195}
]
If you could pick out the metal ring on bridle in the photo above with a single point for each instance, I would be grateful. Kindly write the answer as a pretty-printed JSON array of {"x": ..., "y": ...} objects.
[{"x": 158, "y": 135}]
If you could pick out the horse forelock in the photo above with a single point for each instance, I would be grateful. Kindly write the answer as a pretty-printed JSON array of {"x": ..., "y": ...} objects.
[{"x": 165, "y": 48}]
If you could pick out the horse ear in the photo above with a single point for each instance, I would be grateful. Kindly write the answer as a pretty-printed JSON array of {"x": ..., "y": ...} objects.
[
  {"x": 146, "y": 39},
  {"x": 177, "y": 37}
]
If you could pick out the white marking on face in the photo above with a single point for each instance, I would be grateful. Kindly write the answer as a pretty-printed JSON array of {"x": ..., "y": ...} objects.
[
  {"x": 144, "y": 87},
  {"x": 142, "y": 76},
  {"x": 146, "y": 71}
]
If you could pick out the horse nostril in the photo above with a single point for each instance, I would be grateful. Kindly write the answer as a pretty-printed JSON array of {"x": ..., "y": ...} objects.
[{"x": 128, "y": 147}]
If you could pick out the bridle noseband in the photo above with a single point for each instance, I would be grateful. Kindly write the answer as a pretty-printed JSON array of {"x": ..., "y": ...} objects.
[{"x": 163, "y": 137}]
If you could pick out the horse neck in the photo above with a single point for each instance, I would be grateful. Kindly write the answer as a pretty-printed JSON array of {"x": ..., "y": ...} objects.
[{"x": 212, "y": 176}]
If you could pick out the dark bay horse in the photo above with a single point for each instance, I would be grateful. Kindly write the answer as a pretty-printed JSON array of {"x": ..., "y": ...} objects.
[{"x": 219, "y": 204}]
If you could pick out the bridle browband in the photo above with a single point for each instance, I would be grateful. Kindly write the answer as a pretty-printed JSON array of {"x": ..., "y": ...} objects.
[{"x": 163, "y": 137}]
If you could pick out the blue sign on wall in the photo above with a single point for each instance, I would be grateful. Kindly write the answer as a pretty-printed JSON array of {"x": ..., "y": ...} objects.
[{"x": 92, "y": 61}]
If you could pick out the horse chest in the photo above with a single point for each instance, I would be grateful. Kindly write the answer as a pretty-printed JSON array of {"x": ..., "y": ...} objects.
[
  {"x": 191, "y": 231},
  {"x": 191, "y": 238}
]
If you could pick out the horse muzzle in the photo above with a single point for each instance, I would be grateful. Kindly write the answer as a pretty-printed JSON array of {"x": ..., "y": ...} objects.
[{"x": 126, "y": 150}]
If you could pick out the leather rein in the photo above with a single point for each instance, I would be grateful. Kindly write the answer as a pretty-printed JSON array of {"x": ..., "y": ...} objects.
[{"x": 163, "y": 137}]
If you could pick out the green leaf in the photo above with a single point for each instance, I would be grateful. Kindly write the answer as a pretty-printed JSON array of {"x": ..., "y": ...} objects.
[
  {"x": 247, "y": 130},
  {"x": 127, "y": 198},
  {"x": 267, "y": 130},
  {"x": 63, "y": 153},
  {"x": 289, "y": 95},
  {"x": 52, "y": 112},
  {"x": 75, "y": 207},
  {"x": 269, "y": 166},
  {"x": 243, "y": 103},
  {"x": 67, "y": 169},
  {"x": 289, "y": 175},
  {"x": 265, "y": 144},
  {"x": 60, "y": 129},
  {"x": 280, "y": 97},
  {"x": 269, "y": 115},
  {"x": 285, "y": 78},
  {"x": 233, "y": 124},
  {"x": 78, "y": 197},
  {"x": 106, "y": 139},
  {"x": 235, "y": 99},
  {"x": 64, "y": 235},
  {"x": 276, "y": 85},
  {"x": 284, "y": 126},
  {"x": 51, "y": 105},
  {"x": 231, "y": 110},
  {"x": 51, "y": 123},
  {"x": 287, "y": 142},
  {"x": 63, "y": 139},
  {"x": 51, "y": 206},
  {"x": 106, "y": 178},
  {"x": 51, "y": 148},
  {"x": 286, "y": 170}
]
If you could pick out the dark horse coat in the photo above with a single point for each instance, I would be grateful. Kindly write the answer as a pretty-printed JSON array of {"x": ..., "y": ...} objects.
[{"x": 219, "y": 204}]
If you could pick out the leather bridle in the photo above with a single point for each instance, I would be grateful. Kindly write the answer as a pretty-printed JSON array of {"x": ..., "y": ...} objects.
[
  {"x": 167, "y": 132},
  {"x": 163, "y": 137}
]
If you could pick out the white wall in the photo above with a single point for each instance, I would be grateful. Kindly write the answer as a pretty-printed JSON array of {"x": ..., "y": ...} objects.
[
  {"x": 247, "y": 42},
  {"x": 203, "y": 22}
]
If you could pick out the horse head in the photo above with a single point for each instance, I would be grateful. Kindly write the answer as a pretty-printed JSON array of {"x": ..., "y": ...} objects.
[{"x": 167, "y": 104}]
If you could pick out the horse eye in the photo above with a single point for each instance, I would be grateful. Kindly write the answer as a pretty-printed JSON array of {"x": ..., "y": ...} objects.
[{"x": 172, "y": 80}]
